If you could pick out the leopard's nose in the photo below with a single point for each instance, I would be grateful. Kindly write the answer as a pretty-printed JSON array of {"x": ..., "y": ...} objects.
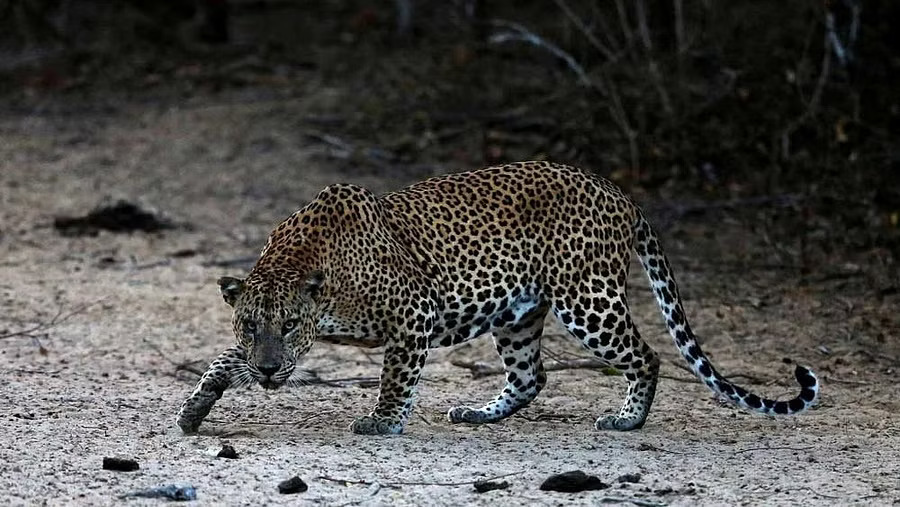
[{"x": 269, "y": 369}]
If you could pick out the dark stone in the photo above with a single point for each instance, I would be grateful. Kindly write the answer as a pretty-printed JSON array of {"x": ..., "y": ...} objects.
[
  {"x": 573, "y": 482},
  {"x": 485, "y": 486},
  {"x": 292, "y": 485},
  {"x": 121, "y": 217},
  {"x": 228, "y": 452},
  {"x": 120, "y": 464},
  {"x": 629, "y": 478}
]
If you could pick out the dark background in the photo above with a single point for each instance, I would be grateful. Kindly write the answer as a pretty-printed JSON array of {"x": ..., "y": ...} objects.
[
  {"x": 149, "y": 147},
  {"x": 788, "y": 109}
]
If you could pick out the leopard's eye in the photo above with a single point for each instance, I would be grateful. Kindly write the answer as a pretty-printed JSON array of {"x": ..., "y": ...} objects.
[
  {"x": 250, "y": 326},
  {"x": 288, "y": 326}
]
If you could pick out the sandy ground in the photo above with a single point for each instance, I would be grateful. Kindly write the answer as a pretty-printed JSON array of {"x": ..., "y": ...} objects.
[{"x": 100, "y": 380}]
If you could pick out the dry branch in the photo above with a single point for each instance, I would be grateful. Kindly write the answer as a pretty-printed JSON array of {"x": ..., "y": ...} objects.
[
  {"x": 397, "y": 484},
  {"x": 652, "y": 66},
  {"x": 481, "y": 369},
  {"x": 587, "y": 32},
  {"x": 812, "y": 107},
  {"x": 60, "y": 317},
  {"x": 518, "y": 33},
  {"x": 773, "y": 448}
]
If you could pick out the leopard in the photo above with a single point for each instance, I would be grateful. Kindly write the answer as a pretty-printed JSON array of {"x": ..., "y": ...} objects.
[{"x": 451, "y": 258}]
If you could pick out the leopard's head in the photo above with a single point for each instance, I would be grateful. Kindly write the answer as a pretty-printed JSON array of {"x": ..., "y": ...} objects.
[{"x": 275, "y": 319}]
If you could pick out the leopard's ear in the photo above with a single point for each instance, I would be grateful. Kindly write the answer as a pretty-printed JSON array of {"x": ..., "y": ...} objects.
[
  {"x": 313, "y": 283},
  {"x": 231, "y": 288}
]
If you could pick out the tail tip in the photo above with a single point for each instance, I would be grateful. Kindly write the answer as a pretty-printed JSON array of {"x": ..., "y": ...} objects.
[
  {"x": 806, "y": 377},
  {"x": 809, "y": 384}
]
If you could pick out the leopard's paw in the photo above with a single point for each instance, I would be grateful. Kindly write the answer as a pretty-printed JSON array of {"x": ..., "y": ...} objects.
[
  {"x": 616, "y": 423},
  {"x": 465, "y": 415},
  {"x": 188, "y": 425},
  {"x": 374, "y": 425}
]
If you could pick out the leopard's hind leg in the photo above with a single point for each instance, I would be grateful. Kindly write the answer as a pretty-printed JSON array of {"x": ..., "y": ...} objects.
[
  {"x": 518, "y": 342},
  {"x": 600, "y": 319}
]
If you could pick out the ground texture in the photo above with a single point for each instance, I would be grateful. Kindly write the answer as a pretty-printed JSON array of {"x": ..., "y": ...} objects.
[{"x": 96, "y": 330}]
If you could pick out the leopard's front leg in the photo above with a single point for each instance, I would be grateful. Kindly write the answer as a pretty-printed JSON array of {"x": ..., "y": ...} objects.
[
  {"x": 219, "y": 376},
  {"x": 403, "y": 362}
]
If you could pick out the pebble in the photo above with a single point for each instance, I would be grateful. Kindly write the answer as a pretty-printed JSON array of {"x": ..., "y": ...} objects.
[
  {"x": 120, "y": 464},
  {"x": 292, "y": 485},
  {"x": 485, "y": 486},
  {"x": 630, "y": 478},
  {"x": 573, "y": 482},
  {"x": 227, "y": 452}
]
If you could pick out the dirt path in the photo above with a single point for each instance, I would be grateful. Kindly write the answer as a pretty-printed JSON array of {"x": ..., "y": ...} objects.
[{"x": 101, "y": 381}]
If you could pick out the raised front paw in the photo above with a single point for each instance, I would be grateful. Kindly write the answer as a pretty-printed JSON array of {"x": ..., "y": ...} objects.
[
  {"x": 374, "y": 425},
  {"x": 614, "y": 422},
  {"x": 465, "y": 415},
  {"x": 195, "y": 409}
]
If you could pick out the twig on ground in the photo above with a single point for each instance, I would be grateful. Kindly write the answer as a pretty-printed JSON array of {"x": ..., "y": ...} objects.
[
  {"x": 551, "y": 417},
  {"x": 345, "y": 382},
  {"x": 644, "y": 446},
  {"x": 774, "y": 448},
  {"x": 188, "y": 366},
  {"x": 60, "y": 317},
  {"x": 481, "y": 369},
  {"x": 397, "y": 484},
  {"x": 844, "y": 499},
  {"x": 636, "y": 501},
  {"x": 293, "y": 423}
]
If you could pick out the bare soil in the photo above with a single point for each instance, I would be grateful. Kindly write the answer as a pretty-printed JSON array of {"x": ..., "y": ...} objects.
[{"x": 108, "y": 321}]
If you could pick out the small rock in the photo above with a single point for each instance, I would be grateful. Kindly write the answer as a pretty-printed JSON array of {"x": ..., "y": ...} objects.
[
  {"x": 629, "y": 478},
  {"x": 120, "y": 464},
  {"x": 573, "y": 482},
  {"x": 292, "y": 485},
  {"x": 227, "y": 452},
  {"x": 485, "y": 486}
]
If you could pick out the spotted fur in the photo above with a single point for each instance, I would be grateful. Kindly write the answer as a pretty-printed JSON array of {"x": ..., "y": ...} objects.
[{"x": 446, "y": 260}]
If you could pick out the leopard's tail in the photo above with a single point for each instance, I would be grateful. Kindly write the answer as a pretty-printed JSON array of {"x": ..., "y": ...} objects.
[{"x": 662, "y": 282}]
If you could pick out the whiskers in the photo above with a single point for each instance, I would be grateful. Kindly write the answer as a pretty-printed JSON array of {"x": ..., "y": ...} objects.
[
  {"x": 245, "y": 374},
  {"x": 242, "y": 376},
  {"x": 301, "y": 378}
]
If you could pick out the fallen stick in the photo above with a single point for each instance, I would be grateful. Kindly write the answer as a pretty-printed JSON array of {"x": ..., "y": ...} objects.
[
  {"x": 59, "y": 318},
  {"x": 397, "y": 484},
  {"x": 481, "y": 369}
]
